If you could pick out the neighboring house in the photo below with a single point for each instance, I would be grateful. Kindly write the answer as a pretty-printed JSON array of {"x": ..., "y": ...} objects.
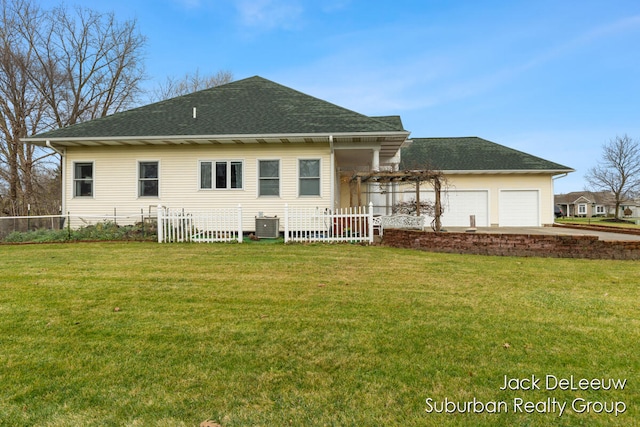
[
  {"x": 590, "y": 204},
  {"x": 262, "y": 145},
  {"x": 499, "y": 185}
]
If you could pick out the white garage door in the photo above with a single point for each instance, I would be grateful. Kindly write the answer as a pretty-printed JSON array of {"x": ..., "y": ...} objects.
[
  {"x": 460, "y": 204},
  {"x": 519, "y": 208}
]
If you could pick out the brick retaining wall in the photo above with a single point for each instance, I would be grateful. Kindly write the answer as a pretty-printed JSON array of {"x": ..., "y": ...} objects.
[{"x": 555, "y": 246}]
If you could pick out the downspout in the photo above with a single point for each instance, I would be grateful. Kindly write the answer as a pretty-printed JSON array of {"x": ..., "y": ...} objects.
[
  {"x": 63, "y": 175},
  {"x": 332, "y": 175}
]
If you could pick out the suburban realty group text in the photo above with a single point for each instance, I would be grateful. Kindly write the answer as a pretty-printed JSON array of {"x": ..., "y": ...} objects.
[{"x": 546, "y": 405}]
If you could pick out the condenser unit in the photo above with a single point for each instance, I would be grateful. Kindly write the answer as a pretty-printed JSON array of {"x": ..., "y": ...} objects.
[{"x": 267, "y": 227}]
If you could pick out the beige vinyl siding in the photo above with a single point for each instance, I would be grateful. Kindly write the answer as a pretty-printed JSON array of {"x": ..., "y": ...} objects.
[
  {"x": 116, "y": 179},
  {"x": 496, "y": 183}
]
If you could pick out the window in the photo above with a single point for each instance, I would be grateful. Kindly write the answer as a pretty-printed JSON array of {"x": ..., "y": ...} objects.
[
  {"x": 582, "y": 209},
  {"x": 309, "y": 173},
  {"x": 148, "y": 182},
  {"x": 269, "y": 177},
  {"x": 228, "y": 175},
  {"x": 83, "y": 180},
  {"x": 599, "y": 210}
]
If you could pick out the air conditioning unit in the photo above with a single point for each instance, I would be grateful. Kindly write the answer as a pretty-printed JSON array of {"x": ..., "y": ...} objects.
[{"x": 267, "y": 227}]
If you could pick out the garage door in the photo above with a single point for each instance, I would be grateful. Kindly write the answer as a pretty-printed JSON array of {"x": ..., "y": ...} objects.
[
  {"x": 460, "y": 204},
  {"x": 519, "y": 208}
]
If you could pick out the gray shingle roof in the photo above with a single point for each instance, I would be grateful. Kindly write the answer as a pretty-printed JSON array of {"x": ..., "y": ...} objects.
[
  {"x": 472, "y": 154},
  {"x": 599, "y": 197},
  {"x": 253, "y": 106}
]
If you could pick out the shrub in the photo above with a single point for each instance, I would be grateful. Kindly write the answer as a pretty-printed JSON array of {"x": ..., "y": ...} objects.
[{"x": 107, "y": 230}]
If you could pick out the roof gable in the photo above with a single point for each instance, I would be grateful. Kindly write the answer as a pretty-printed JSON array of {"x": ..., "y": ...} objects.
[
  {"x": 472, "y": 154},
  {"x": 253, "y": 106}
]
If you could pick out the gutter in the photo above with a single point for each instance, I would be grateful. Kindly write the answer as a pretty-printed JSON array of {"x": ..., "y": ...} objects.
[
  {"x": 561, "y": 176},
  {"x": 48, "y": 144},
  {"x": 220, "y": 137},
  {"x": 563, "y": 172}
]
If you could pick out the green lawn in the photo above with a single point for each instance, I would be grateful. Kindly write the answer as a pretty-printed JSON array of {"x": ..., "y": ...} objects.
[
  {"x": 599, "y": 221},
  {"x": 141, "y": 334}
]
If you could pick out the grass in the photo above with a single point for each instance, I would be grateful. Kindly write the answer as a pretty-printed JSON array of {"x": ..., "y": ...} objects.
[
  {"x": 602, "y": 221},
  {"x": 141, "y": 334}
]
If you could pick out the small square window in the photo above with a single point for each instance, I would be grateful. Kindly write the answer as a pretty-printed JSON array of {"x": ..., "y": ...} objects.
[
  {"x": 309, "y": 184},
  {"x": 83, "y": 179},
  {"x": 148, "y": 179},
  {"x": 269, "y": 177}
]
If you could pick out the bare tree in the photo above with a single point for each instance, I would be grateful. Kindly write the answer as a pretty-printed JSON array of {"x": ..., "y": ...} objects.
[
  {"x": 20, "y": 103},
  {"x": 57, "y": 68},
  {"x": 91, "y": 64},
  {"x": 173, "y": 87},
  {"x": 618, "y": 170}
]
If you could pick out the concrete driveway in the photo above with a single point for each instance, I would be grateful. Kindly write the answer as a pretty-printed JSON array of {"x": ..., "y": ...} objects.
[{"x": 602, "y": 235}]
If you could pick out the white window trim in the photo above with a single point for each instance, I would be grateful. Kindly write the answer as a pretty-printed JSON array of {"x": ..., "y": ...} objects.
[
  {"x": 600, "y": 210},
  {"x": 93, "y": 179},
  {"x": 140, "y": 196},
  {"x": 305, "y": 196},
  {"x": 279, "y": 178},
  {"x": 213, "y": 174}
]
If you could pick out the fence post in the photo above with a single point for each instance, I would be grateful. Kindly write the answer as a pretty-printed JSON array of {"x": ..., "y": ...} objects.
[
  {"x": 370, "y": 222},
  {"x": 286, "y": 222},
  {"x": 160, "y": 225},
  {"x": 239, "y": 223}
]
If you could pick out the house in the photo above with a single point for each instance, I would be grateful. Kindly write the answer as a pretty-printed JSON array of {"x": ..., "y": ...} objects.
[
  {"x": 263, "y": 145},
  {"x": 590, "y": 204}
]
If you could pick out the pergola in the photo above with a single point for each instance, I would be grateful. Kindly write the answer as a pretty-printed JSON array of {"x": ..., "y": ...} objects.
[{"x": 414, "y": 176}]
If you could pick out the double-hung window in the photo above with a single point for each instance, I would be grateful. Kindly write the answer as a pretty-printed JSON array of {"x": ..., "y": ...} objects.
[
  {"x": 220, "y": 174},
  {"x": 268, "y": 177},
  {"x": 309, "y": 177},
  {"x": 148, "y": 179},
  {"x": 83, "y": 179}
]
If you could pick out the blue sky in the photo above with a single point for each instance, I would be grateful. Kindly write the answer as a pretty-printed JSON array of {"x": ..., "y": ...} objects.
[{"x": 556, "y": 79}]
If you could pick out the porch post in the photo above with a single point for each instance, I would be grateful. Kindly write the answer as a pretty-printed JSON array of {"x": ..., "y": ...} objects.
[
  {"x": 358, "y": 188},
  {"x": 438, "y": 206},
  {"x": 375, "y": 161},
  {"x": 388, "y": 197}
]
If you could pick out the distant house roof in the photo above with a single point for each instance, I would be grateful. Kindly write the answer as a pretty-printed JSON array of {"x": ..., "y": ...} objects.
[
  {"x": 604, "y": 198},
  {"x": 253, "y": 107},
  {"x": 473, "y": 154}
]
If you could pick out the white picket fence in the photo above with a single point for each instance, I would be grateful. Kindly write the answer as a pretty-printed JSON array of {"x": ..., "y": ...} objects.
[
  {"x": 213, "y": 225},
  {"x": 300, "y": 225},
  {"x": 323, "y": 225}
]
